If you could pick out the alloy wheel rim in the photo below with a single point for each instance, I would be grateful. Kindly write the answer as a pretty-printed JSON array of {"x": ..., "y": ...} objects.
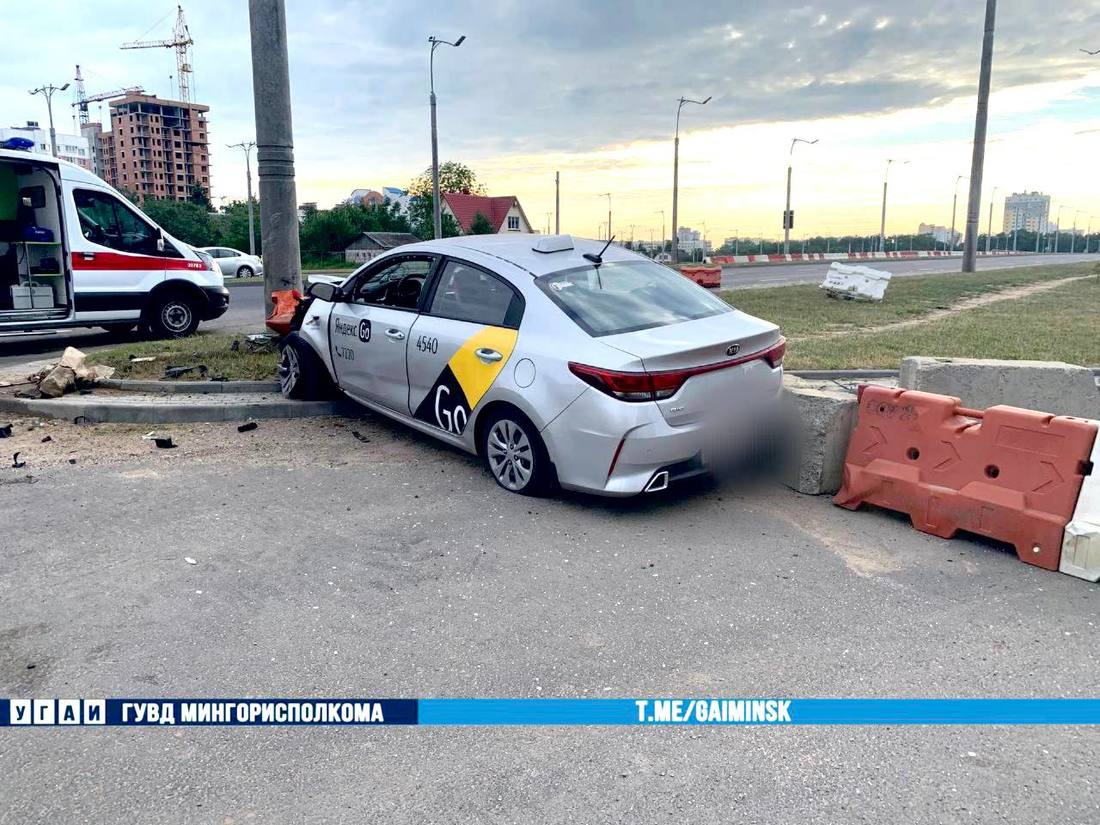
[
  {"x": 289, "y": 370},
  {"x": 510, "y": 455}
]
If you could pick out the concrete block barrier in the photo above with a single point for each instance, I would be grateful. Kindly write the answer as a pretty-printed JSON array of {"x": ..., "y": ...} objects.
[
  {"x": 820, "y": 420},
  {"x": 1050, "y": 386}
]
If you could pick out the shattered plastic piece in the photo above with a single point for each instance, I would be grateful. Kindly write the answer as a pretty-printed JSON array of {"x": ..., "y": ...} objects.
[
  {"x": 245, "y": 428},
  {"x": 82, "y": 419},
  {"x": 72, "y": 461},
  {"x": 47, "y": 438},
  {"x": 16, "y": 464},
  {"x": 358, "y": 435},
  {"x": 164, "y": 443},
  {"x": 176, "y": 372},
  {"x": 5, "y": 431},
  {"x": 189, "y": 560},
  {"x": 143, "y": 359}
]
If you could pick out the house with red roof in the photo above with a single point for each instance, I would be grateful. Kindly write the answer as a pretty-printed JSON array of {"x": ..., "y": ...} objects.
[{"x": 503, "y": 212}]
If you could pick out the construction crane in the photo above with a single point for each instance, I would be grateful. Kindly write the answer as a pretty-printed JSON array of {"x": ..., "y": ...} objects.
[
  {"x": 180, "y": 41},
  {"x": 83, "y": 99}
]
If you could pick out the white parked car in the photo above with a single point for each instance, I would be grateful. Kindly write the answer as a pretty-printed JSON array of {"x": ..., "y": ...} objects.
[
  {"x": 556, "y": 361},
  {"x": 233, "y": 263}
]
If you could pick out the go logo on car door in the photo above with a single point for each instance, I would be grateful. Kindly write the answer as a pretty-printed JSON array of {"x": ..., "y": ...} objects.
[{"x": 466, "y": 378}]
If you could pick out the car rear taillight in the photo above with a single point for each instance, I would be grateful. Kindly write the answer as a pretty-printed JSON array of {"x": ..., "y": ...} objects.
[
  {"x": 660, "y": 384},
  {"x": 774, "y": 354}
]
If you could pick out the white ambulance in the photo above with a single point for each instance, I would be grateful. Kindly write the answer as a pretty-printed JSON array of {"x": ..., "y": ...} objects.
[{"x": 75, "y": 253}]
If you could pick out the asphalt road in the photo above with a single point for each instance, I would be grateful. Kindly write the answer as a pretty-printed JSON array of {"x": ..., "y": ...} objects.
[
  {"x": 246, "y": 310},
  {"x": 327, "y": 566}
]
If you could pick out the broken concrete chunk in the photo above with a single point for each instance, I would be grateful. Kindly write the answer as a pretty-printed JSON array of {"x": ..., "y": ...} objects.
[
  {"x": 57, "y": 382},
  {"x": 73, "y": 359},
  {"x": 820, "y": 420}
]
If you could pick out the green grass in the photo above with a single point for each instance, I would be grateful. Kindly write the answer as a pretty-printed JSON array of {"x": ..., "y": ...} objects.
[
  {"x": 212, "y": 349},
  {"x": 1062, "y": 324},
  {"x": 805, "y": 309}
]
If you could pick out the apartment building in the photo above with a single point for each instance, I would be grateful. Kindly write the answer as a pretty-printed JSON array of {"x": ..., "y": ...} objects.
[{"x": 156, "y": 148}]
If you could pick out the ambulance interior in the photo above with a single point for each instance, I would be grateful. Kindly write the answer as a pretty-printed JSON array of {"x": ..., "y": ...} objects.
[{"x": 34, "y": 281}]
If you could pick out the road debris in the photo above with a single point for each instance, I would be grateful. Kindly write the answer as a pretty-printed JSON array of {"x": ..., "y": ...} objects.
[
  {"x": 189, "y": 560},
  {"x": 16, "y": 464},
  {"x": 247, "y": 427},
  {"x": 5, "y": 431},
  {"x": 142, "y": 359},
  {"x": 360, "y": 437},
  {"x": 164, "y": 443},
  {"x": 71, "y": 372}
]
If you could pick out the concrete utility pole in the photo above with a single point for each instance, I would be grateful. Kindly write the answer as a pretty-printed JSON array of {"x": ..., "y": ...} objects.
[
  {"x": 989, "y": 226},
  {"x": 274, "y": 147},
  {"x": 437, "y": 214},
  {"x": 954, "y": 205},
  {"x": 1058, "y": 229},
  {"x": 676, "y": 175},
  {"x": 788, "y": 216},
  {"x": 977, "y": 162},
  {"x": 557, "y": 203},
  {"x": 882, "y": 226},
  {"x": 248, "y": 146},
  {"x": 47, "y": 92}
]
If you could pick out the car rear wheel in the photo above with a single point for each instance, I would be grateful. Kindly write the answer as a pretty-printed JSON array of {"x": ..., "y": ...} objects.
[
  {"x": 301, "y": 373},
  {"x": 245, "y": 272},
  {"x": 173, "y": 316},
  {"x": 516, "y": 456}
]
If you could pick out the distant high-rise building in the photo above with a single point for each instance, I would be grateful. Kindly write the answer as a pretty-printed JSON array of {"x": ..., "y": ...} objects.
[
  {"x": 73, "y": 148},
  {"x": 941, "y": 234},
  {"x": 156, "y": 148},
  {"x": 1029, "y": 211}
]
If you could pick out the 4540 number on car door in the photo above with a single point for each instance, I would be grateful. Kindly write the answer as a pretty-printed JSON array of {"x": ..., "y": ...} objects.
[{"x": 465, "y": 378}]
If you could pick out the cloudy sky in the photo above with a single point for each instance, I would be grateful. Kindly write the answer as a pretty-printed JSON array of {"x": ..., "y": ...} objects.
[{"x": 590, "y": 89}]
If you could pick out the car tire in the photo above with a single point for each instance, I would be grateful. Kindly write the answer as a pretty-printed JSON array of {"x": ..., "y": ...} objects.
[
  {"x": 245, "y": 272},
  {"x": 515, "y": 454},
  {"x": 174, "y": 315},
  {"x": 301, "y": 373}
]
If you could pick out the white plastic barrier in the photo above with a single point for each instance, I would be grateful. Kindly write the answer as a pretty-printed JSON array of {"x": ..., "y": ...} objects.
[
  {"x": 1081, "y": 541},
  {"x": 860, "y": 283}
]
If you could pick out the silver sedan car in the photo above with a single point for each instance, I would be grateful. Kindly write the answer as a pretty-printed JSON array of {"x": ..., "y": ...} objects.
[
  {"x": 234, "y": 263},
  {"x": 557, "y": 361}
]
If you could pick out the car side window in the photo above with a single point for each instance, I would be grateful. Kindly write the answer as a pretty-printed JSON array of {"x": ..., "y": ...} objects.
[
  {"x": 466, "y": 293},
  {"x": 106, "y": 221},
  {"x": 397, "y": 284}
]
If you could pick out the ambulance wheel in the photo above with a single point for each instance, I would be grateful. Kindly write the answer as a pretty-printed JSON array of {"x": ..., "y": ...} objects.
[
  {"x": 172, "y": 316},
  {"x": 301, "y": 373}
]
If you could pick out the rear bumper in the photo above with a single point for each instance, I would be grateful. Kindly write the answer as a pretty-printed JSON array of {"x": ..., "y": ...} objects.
[
  {"x": 613, "y": 448},
  {"x": 217, "y": 302}
]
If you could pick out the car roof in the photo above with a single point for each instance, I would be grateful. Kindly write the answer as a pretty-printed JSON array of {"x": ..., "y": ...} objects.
[{"x": 518, "y": 250}]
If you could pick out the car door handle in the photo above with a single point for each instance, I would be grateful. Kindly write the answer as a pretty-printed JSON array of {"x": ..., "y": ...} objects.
[
  {"x": 88, "y": 256},
  {"x": 395, "y": 334},
  {"x": 488, "y": 355}
]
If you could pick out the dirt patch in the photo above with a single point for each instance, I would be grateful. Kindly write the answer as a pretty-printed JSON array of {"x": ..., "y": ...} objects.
[{"x": 965, "y": 305}]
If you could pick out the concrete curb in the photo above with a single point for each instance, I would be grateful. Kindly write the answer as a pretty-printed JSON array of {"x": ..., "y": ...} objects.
[
  {"x": 201, "y": 387},
  {"x": 93, "y": 409}
]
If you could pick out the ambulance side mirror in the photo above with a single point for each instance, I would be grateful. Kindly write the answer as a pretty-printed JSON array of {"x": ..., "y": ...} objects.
[{"x": 160, "y": 241}]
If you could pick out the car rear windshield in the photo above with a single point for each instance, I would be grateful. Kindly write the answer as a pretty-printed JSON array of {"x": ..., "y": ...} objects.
[{"x": 628, "y": 296}]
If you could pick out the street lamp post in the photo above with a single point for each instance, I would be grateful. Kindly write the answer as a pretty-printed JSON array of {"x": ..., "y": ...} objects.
[
  {"x": 1073, "y": 234},
  {"x": 437, "y": 215},
  {"x": 248, "y": 146},
  {"x": 954, "y": 205},
  {"x": 788, "y": 222},
  {"x": 608, "y": 196},
  {"x": 1058, "y": 229},
  {"x": 989, "y": 226},
  {"x": 676, "y": 173},
  {"x": 47, "y": 92},
  {"x": 882, "y": 226}
]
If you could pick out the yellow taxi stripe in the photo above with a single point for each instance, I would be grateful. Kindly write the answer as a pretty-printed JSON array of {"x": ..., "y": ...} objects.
[{"x": 474, "y": 375}]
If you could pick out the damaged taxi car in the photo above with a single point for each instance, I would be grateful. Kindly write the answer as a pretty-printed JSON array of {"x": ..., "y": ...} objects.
[{"x": 557, "y": 361}]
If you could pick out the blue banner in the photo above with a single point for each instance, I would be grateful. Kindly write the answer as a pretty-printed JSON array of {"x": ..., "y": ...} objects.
[{"x": 564, "y": 712}]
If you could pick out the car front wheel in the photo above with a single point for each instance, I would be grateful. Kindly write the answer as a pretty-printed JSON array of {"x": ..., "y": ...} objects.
[
  {"x": 301, "y": 373},
  {"x": 516, "y": 456}
]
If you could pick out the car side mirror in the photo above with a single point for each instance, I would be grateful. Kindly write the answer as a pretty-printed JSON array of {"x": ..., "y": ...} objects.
[
  {"x": 160, "y": 242},
  {"x": 324, "y": 291}
]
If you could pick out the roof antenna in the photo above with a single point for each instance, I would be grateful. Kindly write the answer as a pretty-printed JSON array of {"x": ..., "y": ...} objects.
[{"x": 597, "y": 259}]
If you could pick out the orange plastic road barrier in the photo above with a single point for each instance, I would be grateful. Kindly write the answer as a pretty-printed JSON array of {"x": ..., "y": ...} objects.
[
  {"x": 1006, "y": 473},
  {"x": 286, "y": 301},
  {"x": 703, "y": 275}
]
